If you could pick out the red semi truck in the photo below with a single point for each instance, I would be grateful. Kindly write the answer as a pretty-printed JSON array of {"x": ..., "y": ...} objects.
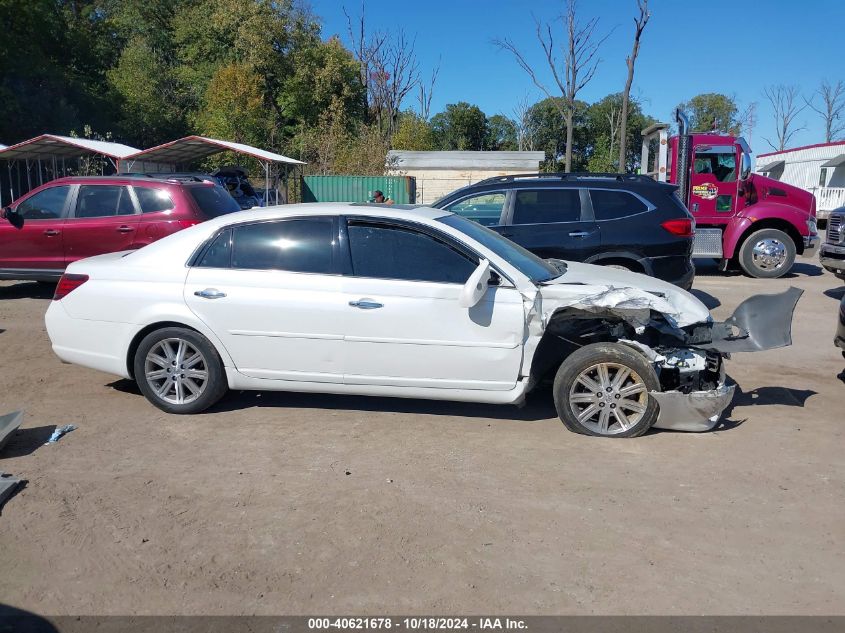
[{"x": 743, "y": 219}]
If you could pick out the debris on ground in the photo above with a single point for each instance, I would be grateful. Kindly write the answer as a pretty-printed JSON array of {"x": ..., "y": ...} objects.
[
  {"x": 9, "y": 423},
  {"x": 8, "y": 486},
  {"x": 59, "y": 432}
]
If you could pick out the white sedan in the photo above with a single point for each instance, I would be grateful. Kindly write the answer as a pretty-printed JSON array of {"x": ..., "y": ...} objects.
[{"x": 398, "y": 301}]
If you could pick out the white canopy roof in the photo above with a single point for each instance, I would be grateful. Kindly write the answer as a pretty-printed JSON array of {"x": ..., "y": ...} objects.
[
  {"x": 194, "y": 148},
  {"x": 53, "y": 145}
]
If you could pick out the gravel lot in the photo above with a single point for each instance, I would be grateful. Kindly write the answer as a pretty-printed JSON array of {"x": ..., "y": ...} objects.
[{"x": 299, "y": 504}]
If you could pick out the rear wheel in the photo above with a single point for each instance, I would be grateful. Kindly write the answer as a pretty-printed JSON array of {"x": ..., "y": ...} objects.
[
  {"x": 179, "y": 371},
  {"x": 602, "y": 389},
  {"x": 767, "y": 254}
]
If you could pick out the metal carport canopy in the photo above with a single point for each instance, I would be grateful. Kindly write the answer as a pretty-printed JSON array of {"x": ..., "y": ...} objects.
[
  {"x": 48, "y": 146},
  {"x": 836, "y": 161},
  {"x": 194, "y": 148}
]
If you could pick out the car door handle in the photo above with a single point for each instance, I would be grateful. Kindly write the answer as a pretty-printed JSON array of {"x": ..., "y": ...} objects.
[
  {"x": 366, "y": 304},
  {"x": 579, "y": 234},
  {"x": 52, "y": 232},
  {"x": 125, "y": 229},
  {"x": 210, "y": 293}
]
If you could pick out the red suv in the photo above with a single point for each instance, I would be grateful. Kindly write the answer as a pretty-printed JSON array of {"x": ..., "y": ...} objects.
[{"x": 73, "y": 218}]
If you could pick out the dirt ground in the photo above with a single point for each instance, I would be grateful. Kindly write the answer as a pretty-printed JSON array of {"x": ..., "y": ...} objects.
[{"x": 302, "y": 504}]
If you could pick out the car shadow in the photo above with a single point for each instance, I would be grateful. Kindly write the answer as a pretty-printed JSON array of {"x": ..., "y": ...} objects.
[
  {"x": 28, "y": 290},
  {"x": 768, "y": 396},
  {"x": 835, "y": 293},
  {"x": 539, "y": 404},
  {"x": 26, "y": 441},
  {"x": 706, "y": 298},
  {"x": 709, "y": 268}
]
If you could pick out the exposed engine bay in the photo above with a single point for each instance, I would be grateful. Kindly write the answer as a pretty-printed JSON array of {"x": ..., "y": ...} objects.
[{"x": 672, "y": 329}]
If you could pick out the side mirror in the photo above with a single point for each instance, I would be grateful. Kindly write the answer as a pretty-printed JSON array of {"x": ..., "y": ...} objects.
[
  {"x": 744, "y": 166},
  {"x": 13, "y": 217},
  {"x": 476, "y": 286}
]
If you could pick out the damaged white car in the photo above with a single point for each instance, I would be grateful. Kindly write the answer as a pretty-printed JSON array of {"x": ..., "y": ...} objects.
[{"x": 405, "y": 302}]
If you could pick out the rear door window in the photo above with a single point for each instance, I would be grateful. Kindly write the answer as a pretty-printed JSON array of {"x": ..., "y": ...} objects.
[
  {"x": 213, "y": 201},
  {"x": 100, "y": 201},
  {"x": 485, "y": 208},
  {"x": 611, "y": 204},
  {"x": 384, "y": 251},
  {"x": 44, "y": 205},
  {"x": 296, "y": 245},
  {"x": 542, "y": 206}
]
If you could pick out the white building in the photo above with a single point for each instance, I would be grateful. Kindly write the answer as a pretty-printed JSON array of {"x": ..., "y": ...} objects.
[
  {"x": 820, "y": 169},
  {"x": 439, "y": 173}
]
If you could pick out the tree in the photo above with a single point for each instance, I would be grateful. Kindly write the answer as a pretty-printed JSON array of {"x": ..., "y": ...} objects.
[
  {"x": 784, "y": 102},
  {"x": 639, "y": 25},
  {"x": 832, "y": 108},
  {"x": 501, "y": 133},
  {"x": 712, "y": 111},
  {"x": 324, "y": 74},
  {"x": 604, "y": 134},
  {"x": 460, "y": 126},
  {"x": 413, "y": 133},
  {"x": 234, "y": 106},
  {"x": 524, "y": 136},
  {"x": 579, "y": 65},
  {"x": 394, "y": 72}
]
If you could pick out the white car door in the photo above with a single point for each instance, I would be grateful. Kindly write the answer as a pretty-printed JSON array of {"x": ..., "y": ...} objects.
[
  {"x": 270, "y": 293},
  {"x": 404, "y": 324}
]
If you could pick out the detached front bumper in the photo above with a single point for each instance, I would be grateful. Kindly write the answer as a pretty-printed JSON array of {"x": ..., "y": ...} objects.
[{"x": 694, "y": 412}]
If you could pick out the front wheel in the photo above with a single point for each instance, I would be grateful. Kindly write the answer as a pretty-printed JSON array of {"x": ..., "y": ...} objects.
[
  {"x": 179, "y": 371},
  {"x": 767, "y": 254},
  {"x": 602, "y": 389}
]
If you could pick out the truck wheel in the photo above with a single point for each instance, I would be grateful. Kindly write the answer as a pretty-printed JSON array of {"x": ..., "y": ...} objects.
[
  {"x": 767, "y": 254},
  {"x": 179, "y": 371},
  {"x": 602, "y": 389}
]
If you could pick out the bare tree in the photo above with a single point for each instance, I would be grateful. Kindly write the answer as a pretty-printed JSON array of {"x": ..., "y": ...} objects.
[
  {"x": 394, "y": 72},
  {"x": 639, "y": 26},
  {"x": 832, "y": 109},
  {"x": 522, "y": 121},
  {"x": 580, "y": 60},
  {"x": 784, "y": 102},
  {"x": 365, "y": 46},
  {"x": 426, "y": 91}
]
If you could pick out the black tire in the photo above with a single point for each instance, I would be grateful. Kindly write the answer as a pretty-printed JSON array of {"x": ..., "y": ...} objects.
[
  {"x": 614, "y": 357},
  {"x": 210, "y": 391},
  {"x": 759, "y": 266}
]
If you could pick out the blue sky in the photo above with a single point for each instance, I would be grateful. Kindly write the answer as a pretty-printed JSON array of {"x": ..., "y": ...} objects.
[{"x": 688, "y": 48}]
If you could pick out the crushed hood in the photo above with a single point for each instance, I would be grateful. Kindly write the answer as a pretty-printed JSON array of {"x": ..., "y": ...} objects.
[{"x": 631, "y": 295}]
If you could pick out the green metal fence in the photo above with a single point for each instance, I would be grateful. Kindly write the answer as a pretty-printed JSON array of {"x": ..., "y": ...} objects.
[{"x": 400, "y": 189}]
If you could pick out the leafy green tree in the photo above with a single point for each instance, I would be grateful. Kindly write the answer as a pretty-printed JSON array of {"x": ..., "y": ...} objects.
[
  {"x": 413, "y": 133},
  {"x": 712, "y": 111},
  {"x": 502, "y": 133},
  {"x": 234, "y": 106},
  {"x": 602, "y": 131},
  {"x": 324, "y": 74},
  {"x": 548, "y": 133},
  {"x": 460, "y": 126}
]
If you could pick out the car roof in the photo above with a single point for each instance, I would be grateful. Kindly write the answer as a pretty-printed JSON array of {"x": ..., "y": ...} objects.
[
  {"x": 628, "y": 182},
  {"x": 370, "y": 209},
  {"x": 125, "y": 179}
]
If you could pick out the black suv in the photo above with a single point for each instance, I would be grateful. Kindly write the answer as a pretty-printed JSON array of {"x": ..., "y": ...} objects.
[{"x": 628, "y": 221}]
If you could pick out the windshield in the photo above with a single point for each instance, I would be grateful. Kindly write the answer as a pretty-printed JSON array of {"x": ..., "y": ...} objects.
[{"x": 536, "y": 269}]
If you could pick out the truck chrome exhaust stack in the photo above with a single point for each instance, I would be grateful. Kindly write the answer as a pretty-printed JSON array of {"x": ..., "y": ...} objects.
[{"x": 682, "y": 179}]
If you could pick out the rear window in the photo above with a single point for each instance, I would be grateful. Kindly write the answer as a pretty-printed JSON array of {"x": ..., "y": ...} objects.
[
  {"x": 213, "y": 201},
  {"x": 541, "y": 206},
  {"x": 610, "y": 205}
]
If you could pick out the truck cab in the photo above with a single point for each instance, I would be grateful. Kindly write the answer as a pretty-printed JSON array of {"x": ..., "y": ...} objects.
[{"x": 742, "y": 219}]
